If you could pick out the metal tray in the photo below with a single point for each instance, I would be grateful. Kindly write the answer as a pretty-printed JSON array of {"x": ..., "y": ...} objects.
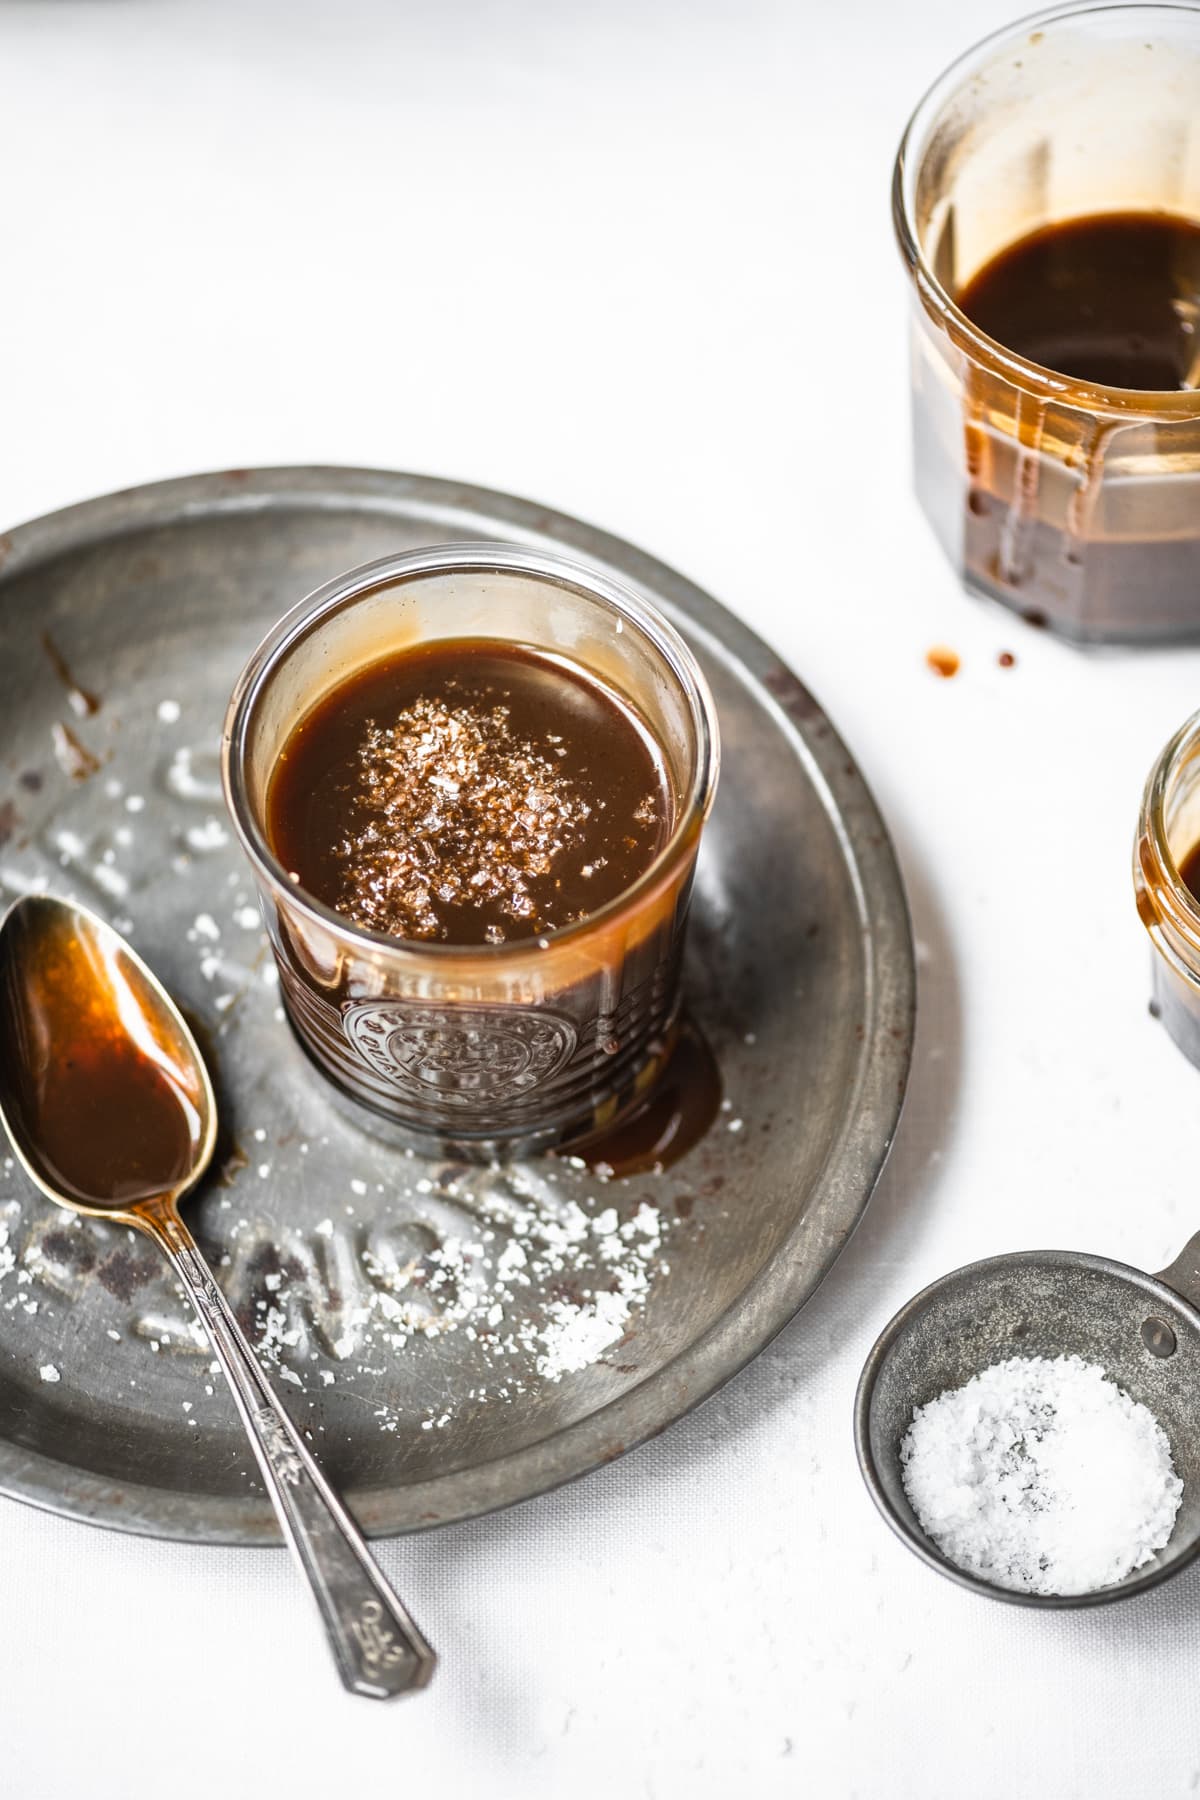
[{"x": 363, "y": 1273}]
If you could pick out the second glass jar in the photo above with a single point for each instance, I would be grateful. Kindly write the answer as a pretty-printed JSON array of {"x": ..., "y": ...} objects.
[{"x": 1076, "y": 505}]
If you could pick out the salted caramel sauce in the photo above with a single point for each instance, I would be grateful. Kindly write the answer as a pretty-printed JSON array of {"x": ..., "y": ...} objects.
[
  {"x": 677, "y": 1110},
  {"x": 470, "y": 792},
  {"x": 101, "y": 1099},
  {"x": 1109, "y": 304},
  {"x": 1111, "y": 299},
  {"x": 1189, "y": 872}
]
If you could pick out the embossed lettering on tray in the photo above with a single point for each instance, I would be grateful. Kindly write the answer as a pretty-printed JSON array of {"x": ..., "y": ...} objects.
[{"x": 459, "y": 1057}]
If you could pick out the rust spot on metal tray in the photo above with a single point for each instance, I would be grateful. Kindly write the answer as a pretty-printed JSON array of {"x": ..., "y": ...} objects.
[
  {"x": 123, "y": 1272},
  {"x": 70, "y": 1249},
  {"x": 147, "y": 568},
  {"x": 232, "y": 1165},
  {"x": 82, "y": 702},
  {"x": 73, "y": 758},
  {"x": 795, "y": 699}
]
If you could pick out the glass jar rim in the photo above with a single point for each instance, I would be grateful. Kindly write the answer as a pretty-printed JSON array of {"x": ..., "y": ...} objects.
[
  {"x": 1146, "y": 403},
  {"x": 1156, "y": 870},
  {"x": 484, "y": 558}
]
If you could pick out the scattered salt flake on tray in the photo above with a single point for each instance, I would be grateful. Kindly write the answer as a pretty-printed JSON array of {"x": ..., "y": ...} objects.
[
  {"x": 187, "y": 781},
  {"x": 539, "y": 1286},
  {"x": 209, "y": 836},
  {"x": 1043, "y": 1476},
  {"x": 111, "y": 880},
  {"x": 575, "y": 1335}
]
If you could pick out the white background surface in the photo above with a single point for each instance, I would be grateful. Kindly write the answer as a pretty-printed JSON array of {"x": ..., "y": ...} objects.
[{"x": 633, "y": 260}]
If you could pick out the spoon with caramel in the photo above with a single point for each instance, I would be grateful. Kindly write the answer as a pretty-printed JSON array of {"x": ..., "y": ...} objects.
[{"x": 111, "y": 1111}]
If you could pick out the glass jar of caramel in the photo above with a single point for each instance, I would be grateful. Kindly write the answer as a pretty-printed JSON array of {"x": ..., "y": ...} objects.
[
  {"x": 1166, "y": 879},
  {"x": 471, "y": 781},
  {"x": 1047, "y": 204}
]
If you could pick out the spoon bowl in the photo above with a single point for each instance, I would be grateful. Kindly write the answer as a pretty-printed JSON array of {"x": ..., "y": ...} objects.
[
  {"x": 104, "y": 1092},
  {"x": 1143, "y": 1330},
  {"x": 111, "y": 1112}
]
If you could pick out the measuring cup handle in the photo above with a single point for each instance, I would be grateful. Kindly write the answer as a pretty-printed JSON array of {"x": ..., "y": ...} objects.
[
  {"x": 1184, "y": 1273},
  {"x": 378, "y": 1649}
]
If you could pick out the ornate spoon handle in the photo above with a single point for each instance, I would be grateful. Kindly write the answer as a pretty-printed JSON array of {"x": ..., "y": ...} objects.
[{"x": 379, "y": 1650}]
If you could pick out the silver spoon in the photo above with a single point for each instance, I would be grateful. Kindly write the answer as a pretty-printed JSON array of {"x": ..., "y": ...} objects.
[{"x": 111, "y": 1111}]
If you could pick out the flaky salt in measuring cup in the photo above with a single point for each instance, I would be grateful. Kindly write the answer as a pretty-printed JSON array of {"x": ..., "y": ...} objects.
[{"x": 1143, "y": 1330}]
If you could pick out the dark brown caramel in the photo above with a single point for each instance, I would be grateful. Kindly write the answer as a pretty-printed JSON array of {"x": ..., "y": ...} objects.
[
  {"x": 1112, "y": 299},
  {"x": 1189, "y": 872},
  {"x": 468, "y": 792},
  {"x": 678, "y": 1110},
  {"x": 110, "y": 1120},
  {"x": 1083, "y": 514}
]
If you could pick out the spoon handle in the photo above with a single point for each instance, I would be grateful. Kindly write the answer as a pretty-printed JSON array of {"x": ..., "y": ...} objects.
[{"x": 379, "y": 1650}]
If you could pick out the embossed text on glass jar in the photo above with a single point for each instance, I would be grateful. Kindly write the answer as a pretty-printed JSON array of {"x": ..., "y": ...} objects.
[
  {"x": 521, "y": 1044},
  {"x": 1077, "y": 505}
]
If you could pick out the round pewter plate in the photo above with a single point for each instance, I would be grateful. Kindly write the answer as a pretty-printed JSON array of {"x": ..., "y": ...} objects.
[{"x": 452, "y": 1339}]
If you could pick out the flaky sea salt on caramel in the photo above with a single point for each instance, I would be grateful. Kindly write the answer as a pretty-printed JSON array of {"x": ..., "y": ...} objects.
[
  {"x": 455, "y": 808},
  {"x": 469, "y": 792}
]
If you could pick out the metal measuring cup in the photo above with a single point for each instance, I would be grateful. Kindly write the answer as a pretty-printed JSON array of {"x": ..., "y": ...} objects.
[{"x": 1143, "y": 1330}]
